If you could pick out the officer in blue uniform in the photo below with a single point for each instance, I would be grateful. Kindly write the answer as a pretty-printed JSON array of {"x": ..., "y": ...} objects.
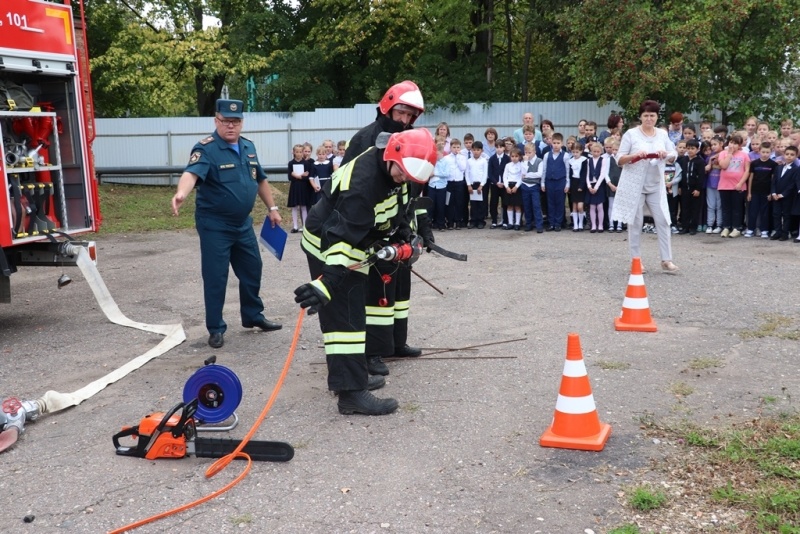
[{"x": 225, "y": 168}]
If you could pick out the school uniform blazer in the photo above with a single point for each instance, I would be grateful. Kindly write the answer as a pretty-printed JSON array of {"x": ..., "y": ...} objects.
[
  {"x": 496, "y": 168},
  {"x": 785, "y": 183}
]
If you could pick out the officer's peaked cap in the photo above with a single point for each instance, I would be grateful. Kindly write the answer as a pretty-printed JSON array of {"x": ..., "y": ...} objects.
[{"x": 231, "y": 109}]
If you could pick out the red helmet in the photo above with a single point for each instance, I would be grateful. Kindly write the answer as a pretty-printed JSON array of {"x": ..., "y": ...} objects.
[
  {"x": 414, "y": 151},
  {"x": 406, "y": 94}
]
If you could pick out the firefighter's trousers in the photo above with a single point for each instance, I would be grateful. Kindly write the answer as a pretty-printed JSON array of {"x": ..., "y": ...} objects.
[
  {"x": 343, "y": 325},
  {"x": 387, "y": 320}
]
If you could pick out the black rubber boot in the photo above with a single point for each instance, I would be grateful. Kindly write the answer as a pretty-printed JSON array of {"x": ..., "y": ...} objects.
[
  {"x": 375, "y": 366},
  {"x": 375, "y": 382},
  {"x": 407, "y": 352},
  {"x": 364, "y": 402}
]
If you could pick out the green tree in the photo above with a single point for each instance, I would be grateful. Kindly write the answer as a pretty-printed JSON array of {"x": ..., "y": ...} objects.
[
  {"x": 696, "y": 55},
  {"x": 164, "y": 53}
]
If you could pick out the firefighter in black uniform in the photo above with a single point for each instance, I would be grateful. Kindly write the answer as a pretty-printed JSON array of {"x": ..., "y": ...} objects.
[
  {"x": 389, "y": 285},
  {"x": 226, "y": 167},
  {"x": 360, "y": 211}
]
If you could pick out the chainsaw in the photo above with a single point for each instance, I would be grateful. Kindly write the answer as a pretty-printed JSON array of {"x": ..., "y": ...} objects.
[{"x": 174, "y": 435}]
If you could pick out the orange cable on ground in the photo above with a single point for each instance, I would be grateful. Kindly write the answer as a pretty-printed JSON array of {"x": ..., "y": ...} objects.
[{"x": 223, "y": 462}]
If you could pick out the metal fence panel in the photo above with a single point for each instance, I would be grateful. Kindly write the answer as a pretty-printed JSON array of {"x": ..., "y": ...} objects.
[{"x": 158, "y": 142}]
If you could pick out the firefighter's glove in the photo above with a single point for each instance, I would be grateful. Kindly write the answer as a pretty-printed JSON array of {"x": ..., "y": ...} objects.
[
  {"x": 403, "y": 233},
  {"x": 312, "y": 295},
  {"x": 318, "y": 293},
  {"x": 425, "y": 231}
]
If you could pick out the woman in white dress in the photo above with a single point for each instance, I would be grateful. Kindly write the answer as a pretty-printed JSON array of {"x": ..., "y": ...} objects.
[{"x": 642, "y": 154}]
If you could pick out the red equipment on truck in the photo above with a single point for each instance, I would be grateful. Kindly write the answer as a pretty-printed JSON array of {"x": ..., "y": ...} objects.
[{"x": 46, "y": 131}]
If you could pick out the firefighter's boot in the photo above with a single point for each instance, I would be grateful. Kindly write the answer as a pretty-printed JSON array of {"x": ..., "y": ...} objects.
[
  {"x": 364, "y": 402},
  {"x": 376, "y": 366}
]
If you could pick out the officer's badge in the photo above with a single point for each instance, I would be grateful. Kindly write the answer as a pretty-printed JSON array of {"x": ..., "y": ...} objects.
[
  {"x": 234, "y": 106},
  {"x": 194, "y": 158},
  {"x": 253, "y": 172}
]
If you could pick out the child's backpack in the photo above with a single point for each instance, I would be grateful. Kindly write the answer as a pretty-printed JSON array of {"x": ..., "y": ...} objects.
[{"x": 14, "y": 97}]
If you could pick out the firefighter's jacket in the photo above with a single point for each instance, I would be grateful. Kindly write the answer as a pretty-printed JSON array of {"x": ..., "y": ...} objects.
[{"x": 360, "y": 208}]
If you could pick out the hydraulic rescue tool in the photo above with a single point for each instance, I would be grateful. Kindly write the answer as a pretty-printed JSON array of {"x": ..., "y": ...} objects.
[{"x": 211, "y": 395}]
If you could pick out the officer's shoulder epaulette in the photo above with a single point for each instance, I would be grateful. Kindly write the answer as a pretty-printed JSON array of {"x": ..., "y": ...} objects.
[{"x": 206, "y": 140}]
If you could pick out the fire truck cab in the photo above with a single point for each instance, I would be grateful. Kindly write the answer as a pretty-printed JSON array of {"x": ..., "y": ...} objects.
[{"x": 49, "y": 191}]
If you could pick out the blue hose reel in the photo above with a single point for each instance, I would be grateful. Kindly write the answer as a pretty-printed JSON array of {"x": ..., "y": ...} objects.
[{"x": 217, "y": 390}]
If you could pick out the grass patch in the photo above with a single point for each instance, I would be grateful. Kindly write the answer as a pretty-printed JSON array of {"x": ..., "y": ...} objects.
[
  {"x": 698, "y": 364},
  {"x": 629, "y": 528},
  {"x": 242, "y": 519},
  {"x": 612, "y": 366},
  {"x": 681, "y": 389},
  {"x": 644, "y": 499},
  {"x": 410, "y": 407},
  {"x": 773, "y": 325},
  {"x": 751, "y": 468},
  {"x": 138, "y": 208}
]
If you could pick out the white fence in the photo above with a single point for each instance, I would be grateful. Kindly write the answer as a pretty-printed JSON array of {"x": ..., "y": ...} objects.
[{"x": 159, "y": 142}]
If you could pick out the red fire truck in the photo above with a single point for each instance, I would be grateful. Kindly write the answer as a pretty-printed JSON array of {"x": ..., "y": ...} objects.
[{"x": 46, "y": 130}]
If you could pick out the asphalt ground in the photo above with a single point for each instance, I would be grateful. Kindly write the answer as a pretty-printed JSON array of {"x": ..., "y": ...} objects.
[{"x": 461, "y": 454}]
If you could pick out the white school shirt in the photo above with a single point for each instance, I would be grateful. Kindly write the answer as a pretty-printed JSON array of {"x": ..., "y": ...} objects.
[
  {"x": 458, "y": 165},
  {"x": 477, "y": 171},
  {"x": 512, "y": 173}
]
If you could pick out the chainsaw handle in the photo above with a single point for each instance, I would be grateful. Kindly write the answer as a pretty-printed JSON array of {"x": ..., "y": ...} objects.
[{"x": 137, "y": 451}]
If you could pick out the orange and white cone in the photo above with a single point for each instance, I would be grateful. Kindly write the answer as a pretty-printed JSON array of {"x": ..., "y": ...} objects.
[
  {"x": 576, "y": 424},
  {"x": 635, "y": 316}
]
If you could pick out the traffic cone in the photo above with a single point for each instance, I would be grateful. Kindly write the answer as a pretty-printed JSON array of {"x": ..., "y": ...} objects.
[
  {"x": 575, "y": 422},
  {"x": 635, "y": 316}
]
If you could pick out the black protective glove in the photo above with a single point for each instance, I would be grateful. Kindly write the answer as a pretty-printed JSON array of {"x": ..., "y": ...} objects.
[
  {"x": 318, "y": 293},
  {"x": 312, "y": 295},
  {"x": 403, "y": 233},
  {"x": 425, "y": 231}
]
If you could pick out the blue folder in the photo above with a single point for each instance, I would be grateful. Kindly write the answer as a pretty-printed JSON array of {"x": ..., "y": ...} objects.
[{"x": 273, "y": 238}]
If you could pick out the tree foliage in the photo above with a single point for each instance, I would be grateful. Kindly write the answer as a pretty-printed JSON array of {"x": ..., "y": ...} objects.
[
  {"x": 697, "y": 55},
  {"x": 158, "y": 58}
]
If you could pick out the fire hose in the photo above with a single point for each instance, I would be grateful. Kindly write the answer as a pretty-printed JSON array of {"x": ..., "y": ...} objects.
[{"x": 16, "y": 412}]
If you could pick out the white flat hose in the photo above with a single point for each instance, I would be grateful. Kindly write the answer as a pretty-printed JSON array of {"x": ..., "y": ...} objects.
[{"x": 53, "y": 401}]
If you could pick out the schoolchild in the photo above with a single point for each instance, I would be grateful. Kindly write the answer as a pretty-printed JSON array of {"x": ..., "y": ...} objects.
[
  {"x": 476, "y": 175},
  {"x": 437, "y": 187},
  {"x": 469, "y": 139},
  {"x": 528, "y": 136},
  {"x": 596, "y": 177},
  {"x": 456, "y": 187},
  {"x": 786, "y": 128},
  {"x": 693, "y": 170},
  {"x": 713, "y": 204},
  {"x": 301, "y": 172},
  {"x": 759, "y": 191},
  {"x": 614, "y": 172},
  {"x": 341, "y": 148},
  {"x": 512, "y": 180},
  {"x": 494, "y": 183},
  {"x": 323, "y": 170},
  {"x": 531, "y": 189},
  {"x": 555, "y": 168},
  {"x": 672, "y": 177},
  {"x": 734, "y": 171},
  {"x": 783, "y": 193},
  {"x": 577, "y": 185}
]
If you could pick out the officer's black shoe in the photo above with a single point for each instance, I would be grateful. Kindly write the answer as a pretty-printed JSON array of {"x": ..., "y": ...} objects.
[
  {"x": 265, "y": 325},
  {"x": 375, "y": 366},
  {"x": 375, "y": 382},
  {"x": 364, "y": 402},
  {"x": 215, "y": 341},
  {"x": 407, "y": 352}
]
